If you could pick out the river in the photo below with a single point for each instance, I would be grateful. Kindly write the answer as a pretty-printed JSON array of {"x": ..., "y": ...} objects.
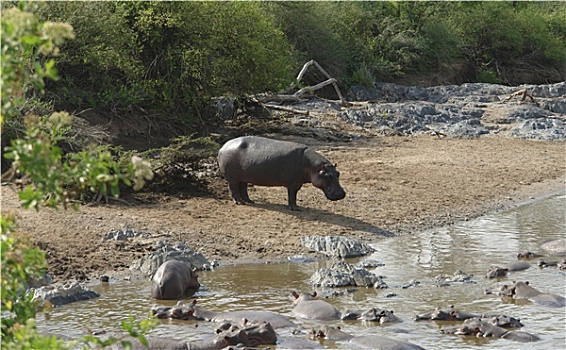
[{"x": 472, "y": 246}]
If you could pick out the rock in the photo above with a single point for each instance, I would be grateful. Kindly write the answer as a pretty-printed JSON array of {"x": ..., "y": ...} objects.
[
  {"x": 458, "y": 277},
  {"x": 151, "y": 262},
  {"x": 342, "y": 274},
  {"x": 336, "y": 246},
  {"x": 65, "y": 294},
  {"x": 457, "y": 111},
  {"x": 369, "y": 264},
  {"x": 121, "y": 235}
]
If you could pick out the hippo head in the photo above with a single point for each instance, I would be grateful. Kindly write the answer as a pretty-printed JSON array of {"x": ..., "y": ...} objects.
[{"x": 327, "y": 180}]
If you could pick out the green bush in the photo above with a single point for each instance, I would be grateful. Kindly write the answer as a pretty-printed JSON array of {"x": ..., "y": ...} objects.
[{"x": 28, "y": 50}]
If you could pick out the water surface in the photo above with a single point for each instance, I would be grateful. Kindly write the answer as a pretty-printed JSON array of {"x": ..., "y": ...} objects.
[{"x": 472, "y": 247}]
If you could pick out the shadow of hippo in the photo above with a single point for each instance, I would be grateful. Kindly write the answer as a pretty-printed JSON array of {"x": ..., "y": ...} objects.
[
  {"x": 522, "y": 290},
  {"x": 307, "y": 307},
  {"x": 174, "y": 279},
  {"x": 362, "y": 342},
  {"x": 183, "y": 311},
  {"x": 480, "y": 327}
]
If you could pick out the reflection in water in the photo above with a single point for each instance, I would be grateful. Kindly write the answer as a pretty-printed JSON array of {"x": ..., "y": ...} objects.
[{"x": 472, "y": 247}]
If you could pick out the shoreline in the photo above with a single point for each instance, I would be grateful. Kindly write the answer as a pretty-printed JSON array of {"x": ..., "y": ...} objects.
[{"x": 394, "y": 185}]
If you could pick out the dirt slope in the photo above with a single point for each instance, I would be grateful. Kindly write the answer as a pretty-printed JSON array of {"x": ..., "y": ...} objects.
[{"x": 394, "y": 184}]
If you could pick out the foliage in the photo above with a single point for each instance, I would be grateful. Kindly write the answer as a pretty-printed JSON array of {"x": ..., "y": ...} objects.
[
  {"x": 28, "y": 50},
  {"x": 170, "y": 57}
]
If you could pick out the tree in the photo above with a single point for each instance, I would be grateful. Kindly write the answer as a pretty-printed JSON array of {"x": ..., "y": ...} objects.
[{"x": 29, "y": 48}]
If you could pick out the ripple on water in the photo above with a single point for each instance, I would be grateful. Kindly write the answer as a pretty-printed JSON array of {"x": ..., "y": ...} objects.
[{"x": 473, "y": 247}]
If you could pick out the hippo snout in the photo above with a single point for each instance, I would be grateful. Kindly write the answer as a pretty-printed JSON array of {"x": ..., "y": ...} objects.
[{"x": 336, "y": 194}]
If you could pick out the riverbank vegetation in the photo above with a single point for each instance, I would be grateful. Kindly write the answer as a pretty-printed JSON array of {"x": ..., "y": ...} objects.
[
  {"x": 171, "y": 58},
  {"x": 163, "y": 62}
]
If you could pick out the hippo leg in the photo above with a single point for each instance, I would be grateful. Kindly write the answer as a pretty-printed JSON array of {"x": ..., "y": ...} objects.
[
  {"x": 244, "y": 192},
  {"x": 234, "y": 188},
  {"x": 292, "y": 190}
]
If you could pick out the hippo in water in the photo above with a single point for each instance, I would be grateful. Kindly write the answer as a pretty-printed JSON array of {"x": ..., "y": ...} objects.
[
  {"x": 265, "y": 162},
  {"x": 361, "y": 342},
  {"x": 183, "y": 311},
  {"x": 480, "y": 327},
  {"x": 522, "y": 290},
  {"x": 173, "y": 280}
]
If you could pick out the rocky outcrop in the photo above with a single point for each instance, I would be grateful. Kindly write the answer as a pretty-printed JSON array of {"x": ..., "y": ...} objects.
[
  {"x": 163, "y": 252},
  {"x": 64, "y": 294},
  {"x": 342, "y": 274},
  {"x": 464, "y": 111},
  {"x": 336, "y": 246}
]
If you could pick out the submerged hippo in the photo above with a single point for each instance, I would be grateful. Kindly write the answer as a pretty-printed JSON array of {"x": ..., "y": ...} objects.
[
  {"x": 266, "y": 162},
  {"x": 183, "y": 311},
  {"x": 372, "y": 315},
  {"x": 228, "y": 334},
  {"x": 173, "y": 280},
  {"x": 484, "y": 328},
  {"x": 511, "y": 266},
  {"x": 452, "y": 314},
  {"x": 306, "y": 306},
  {"x": 522, "y": 290},
  {"x": 362, "y": 342}
]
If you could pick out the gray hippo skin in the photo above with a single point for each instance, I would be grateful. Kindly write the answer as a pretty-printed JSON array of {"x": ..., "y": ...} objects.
[
  {"x": 480, "y": 327},
  {"x": 511, "y": 266},
  {"x": 452, "y": 314},
  {"x": 266, "y": 162},
  {"x": 173, "y": 280},
  {"x": 228, "y": 334},
  {"x": 363, "y": 342},
  {"x": 371, "y": 315},
  {"x": 306, "y": 306},
  {"x": 522, "y": 290},
  {"x": 191, "y": 311}
]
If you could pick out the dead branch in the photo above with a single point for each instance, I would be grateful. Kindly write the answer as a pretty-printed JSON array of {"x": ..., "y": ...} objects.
[
  {"x": 297, "y": 96},
  {"x": 524, "y": 92},
  {"x": 287, "y": 109}
]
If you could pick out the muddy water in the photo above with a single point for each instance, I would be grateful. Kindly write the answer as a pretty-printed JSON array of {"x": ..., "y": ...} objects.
[{"x": 471, "y": 246}]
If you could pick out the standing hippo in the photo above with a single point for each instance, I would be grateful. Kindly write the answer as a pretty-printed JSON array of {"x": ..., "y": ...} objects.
[
  {"x": 173, "y": 280},
  {"x": 266, "y": 162}
]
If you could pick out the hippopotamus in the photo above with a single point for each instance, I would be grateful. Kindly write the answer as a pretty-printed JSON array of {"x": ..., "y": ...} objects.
[
  {"x": 174, "y": 279},
  {"x": 480, "y": 327},
  {"x": 182, "y": 311},
  {"x": 362, "y": 342},
  {"x": 453, "y": 314},
  {"x": 228, "y": 334},
  {"x": 511, "y": 266},
  {"x": 522, "y": 290},
  {"x": 266, "y": 162},
  {"x": 306, "y": 306},
  {"x": 557, "y": 246},
  {"x": 372, "y": 315}
]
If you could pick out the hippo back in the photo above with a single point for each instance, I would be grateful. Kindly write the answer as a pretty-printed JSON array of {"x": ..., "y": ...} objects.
[{"x": 173, "y": 279}]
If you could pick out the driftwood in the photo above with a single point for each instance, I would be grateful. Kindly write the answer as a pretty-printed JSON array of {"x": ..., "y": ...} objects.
[
  {"x": 524, "y": 92},
  {"x": 298, "y": 96}
]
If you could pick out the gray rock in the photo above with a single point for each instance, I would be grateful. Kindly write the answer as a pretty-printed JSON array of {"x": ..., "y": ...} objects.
[
  {"x": 336, "y": 246},
  {"x": 151, "y": 262},
  {"x": 342, "y": 274},
  {"x": 121, "y": 235},
  {"x": 61, "y": 295},
  {"x": 457, "y": 111}
]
